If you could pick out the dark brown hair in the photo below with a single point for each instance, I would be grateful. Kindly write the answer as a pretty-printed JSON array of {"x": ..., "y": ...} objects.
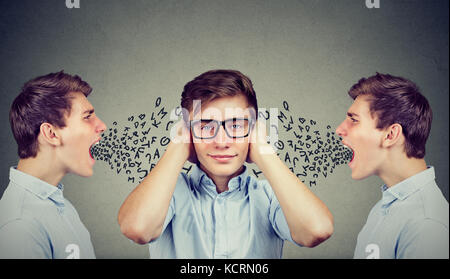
[
  {"x": 44, "y": 99},
  {"x": 398, "y": 100},
  {"x": 216, "y": 84}
]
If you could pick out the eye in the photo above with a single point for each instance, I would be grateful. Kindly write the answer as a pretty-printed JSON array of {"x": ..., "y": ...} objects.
[
  {"x": 207, "y": 127},
  {"x": 87, "y": 117}
]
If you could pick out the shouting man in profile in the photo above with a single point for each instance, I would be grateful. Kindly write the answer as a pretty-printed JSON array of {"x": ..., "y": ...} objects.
[
  {"x": 387, "y": 127},
  {"x": 54, "y": 126}
]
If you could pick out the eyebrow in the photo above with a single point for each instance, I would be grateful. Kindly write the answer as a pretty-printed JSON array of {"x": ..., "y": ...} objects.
[
  {"x": 352, "y": 114},
  {"x": 88, "y": 111}
]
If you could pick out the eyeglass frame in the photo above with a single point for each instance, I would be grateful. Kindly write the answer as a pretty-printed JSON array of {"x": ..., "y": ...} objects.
[{"x": 221, "y": 123}]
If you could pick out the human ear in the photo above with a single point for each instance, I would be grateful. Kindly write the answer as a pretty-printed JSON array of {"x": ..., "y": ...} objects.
[
  {"x": 393, "y": 135},
  {"x": 49, "y": 134}
]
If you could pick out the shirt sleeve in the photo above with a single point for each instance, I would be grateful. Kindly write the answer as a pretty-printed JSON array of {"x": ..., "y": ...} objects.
[
  {"x": 178, "y": 195},
  {"x": 278, "y": 220},
  {"x": 427, "y": 239},
  {"x": 20, "y": 239}
]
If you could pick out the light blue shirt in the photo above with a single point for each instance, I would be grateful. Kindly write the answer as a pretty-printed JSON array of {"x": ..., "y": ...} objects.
[
  {"x": 36, "y": 221},
  {"x": 244, "y": 222},
  {"x": 410, "y": 221}
]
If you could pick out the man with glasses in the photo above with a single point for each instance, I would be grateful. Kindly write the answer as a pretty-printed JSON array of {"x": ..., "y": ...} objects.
[
  {"x": 208, "y": 128},
  {"x": 219, "y": 210}
]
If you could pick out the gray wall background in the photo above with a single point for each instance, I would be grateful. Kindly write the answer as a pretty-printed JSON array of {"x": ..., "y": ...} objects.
[{"x": 305, "y": 52}]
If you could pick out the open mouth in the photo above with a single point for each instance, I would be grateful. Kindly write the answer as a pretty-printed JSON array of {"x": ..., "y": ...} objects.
[
  {"x": 92, "y": 148},
  {"x": 350, "y": 152}
]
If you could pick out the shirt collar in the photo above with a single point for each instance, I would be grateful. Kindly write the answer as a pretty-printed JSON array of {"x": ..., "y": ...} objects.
[
  {"x": 38, "y": 187},
  {"x": 201, "y": 179},
  {"x": 407, "y": 187}
]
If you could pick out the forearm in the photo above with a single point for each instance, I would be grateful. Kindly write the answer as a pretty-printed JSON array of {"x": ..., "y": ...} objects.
[
  {"x": 308, "y": 218},
  {"x": 142, "y": 214}
]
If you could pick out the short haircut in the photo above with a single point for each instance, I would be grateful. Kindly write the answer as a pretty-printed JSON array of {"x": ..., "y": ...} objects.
[
  {"x": 217, "y": 84},
  {"x": 398, "y": 100},
  {"x": 44, "y": 99}
]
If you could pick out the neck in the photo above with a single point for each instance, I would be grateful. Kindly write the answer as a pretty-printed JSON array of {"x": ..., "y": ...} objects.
[
  {"x": 399, "y": 169},
  {"x": 221, "y": 182},
  {"x": 42, "y": 167}
]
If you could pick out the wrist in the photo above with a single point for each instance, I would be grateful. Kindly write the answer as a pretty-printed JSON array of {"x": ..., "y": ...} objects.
[{"x": 178, "y": 151}]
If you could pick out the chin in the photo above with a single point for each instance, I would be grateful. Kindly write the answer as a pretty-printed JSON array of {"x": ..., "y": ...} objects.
[
  {"x": 86, "y": 173},
  {"x": 357, "y": 176},
  {"x": 222, "y": 169}
]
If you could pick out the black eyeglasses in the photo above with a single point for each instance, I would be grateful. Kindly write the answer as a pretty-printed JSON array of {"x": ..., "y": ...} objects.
[{"x": 208, "y": 128}]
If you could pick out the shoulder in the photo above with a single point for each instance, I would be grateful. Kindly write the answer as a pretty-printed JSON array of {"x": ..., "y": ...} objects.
[
  {"x": 428, "y": 206},
  {"x": 183, "y": 185},
  {"x": 20, "y": 210},
  {"x": 435, "y": 206},
  {"x": 12, "y": 204},
  {"x": 20, "y": 227},
  {"x": 19, "y": 204},
  {"x": 428, "y": 213}
]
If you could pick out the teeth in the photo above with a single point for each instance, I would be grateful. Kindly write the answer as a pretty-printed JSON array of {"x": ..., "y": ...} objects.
[{"x": 95, "y": 143}]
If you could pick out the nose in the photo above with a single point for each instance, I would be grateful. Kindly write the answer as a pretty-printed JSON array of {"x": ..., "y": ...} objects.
[
  {"x": 340, "y": 130},
  {"x": 222, "y": 139},
  {"x": 101, "y": 126}
]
